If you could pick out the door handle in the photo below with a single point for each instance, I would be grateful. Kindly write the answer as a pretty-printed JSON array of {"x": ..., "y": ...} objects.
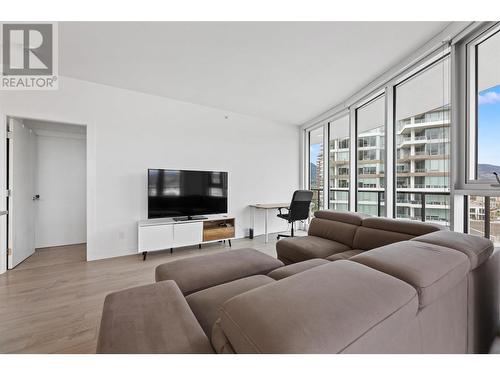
[{"x": 36, "y": 197}]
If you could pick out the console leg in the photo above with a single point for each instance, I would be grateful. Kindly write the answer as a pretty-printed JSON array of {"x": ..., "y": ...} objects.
[
  {"x": 171, "y": 250},
  {"x": 144, "y": 255},
  {"x": 229, "y": 243},
  {"x": 199, "y": 246}
]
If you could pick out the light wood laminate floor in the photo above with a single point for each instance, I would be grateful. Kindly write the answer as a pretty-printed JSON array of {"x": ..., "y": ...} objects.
[{"x": 52, "y": 302}]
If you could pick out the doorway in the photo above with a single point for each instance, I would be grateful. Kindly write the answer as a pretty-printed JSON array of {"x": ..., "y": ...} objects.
[{"x": 46, "y": 180}]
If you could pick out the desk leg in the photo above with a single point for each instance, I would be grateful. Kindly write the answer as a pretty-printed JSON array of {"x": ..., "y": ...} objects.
[
  {"x": 267, "y": 234},
  {"x": 252, "y": 221}
]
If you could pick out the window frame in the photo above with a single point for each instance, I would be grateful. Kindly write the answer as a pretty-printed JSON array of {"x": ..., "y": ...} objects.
[
  {"x": 308, "y": 132},
  {"x": 336, "y": 117},
  {"x": 372, "y": 98},
  {"x": 471, "y": 45},
  {"x": 424, "y": 65}
]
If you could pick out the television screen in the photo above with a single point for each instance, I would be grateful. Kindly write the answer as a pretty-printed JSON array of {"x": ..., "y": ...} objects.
[{"x": 178, "y": 193}]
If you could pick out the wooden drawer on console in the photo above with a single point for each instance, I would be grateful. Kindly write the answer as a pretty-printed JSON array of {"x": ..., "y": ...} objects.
[{"x": 218, "y": 230}]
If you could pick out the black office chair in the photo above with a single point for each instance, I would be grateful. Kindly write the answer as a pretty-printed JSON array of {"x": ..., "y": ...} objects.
[{"x": 298, "y": 210}]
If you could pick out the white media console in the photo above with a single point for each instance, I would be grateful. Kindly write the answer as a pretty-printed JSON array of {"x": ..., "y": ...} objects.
[{"x": 162, "y": 234}]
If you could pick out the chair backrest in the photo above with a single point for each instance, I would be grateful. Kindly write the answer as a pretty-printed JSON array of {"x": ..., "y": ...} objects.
[{"x": 299, "y": 207}]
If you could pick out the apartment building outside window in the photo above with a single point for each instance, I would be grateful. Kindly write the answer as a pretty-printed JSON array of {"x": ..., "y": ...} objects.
[
  {"x": 484, "y": 217},
  {"x": 339, "y": 159},
  {"x": 422, "y": 139},
  {"x": 370, "y": 163},
  {"x": 316, "y": 167}
]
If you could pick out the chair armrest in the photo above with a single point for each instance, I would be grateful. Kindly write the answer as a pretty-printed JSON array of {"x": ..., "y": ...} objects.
[{"x": 283, "y": 208}]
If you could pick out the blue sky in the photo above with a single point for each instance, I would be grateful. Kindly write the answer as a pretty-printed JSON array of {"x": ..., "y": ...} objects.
[
  {"x": 314, "y": 153},
  {"x": 489, "y": 126}
]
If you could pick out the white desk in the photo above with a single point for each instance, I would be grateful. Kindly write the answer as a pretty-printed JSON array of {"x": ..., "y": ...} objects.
[{"x": 266, "y": 207}]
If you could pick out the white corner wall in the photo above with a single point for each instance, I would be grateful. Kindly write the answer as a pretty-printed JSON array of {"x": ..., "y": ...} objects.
[
  {"x": 61, "y": 184},
  {"x": 129, "y": 132}
]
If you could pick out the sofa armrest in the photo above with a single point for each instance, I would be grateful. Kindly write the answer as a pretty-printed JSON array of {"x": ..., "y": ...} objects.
[
  {"x": 323, "y": 310},
  {"x": 431, "y": 269},
  {"x": 477, "y": 249},
  {"x": 150, "y": 319}
]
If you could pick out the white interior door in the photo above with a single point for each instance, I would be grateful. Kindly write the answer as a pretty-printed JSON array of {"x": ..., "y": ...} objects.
[
  {"x": 22, "y": 208},
  {"x": 3, "y": 190}
]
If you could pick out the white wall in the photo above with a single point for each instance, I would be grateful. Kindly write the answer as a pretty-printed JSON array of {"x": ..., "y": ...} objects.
[
  {"x": 61, "y": 184},
  {"x": 128, "y": 132}
]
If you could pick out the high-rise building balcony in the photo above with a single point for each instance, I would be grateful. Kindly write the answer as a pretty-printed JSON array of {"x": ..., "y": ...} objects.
[
  {"x": 422, "y": 139},
  {"x": 339, "y": 161},
  {"x": 422, "y": 173},
  {"x": 404, "y": 128},
  {"x": 421, "y": 155},
  {"x": 416, "y": 204}
]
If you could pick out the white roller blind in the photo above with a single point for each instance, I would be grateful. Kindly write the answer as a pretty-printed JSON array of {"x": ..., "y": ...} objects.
[
  {"x": 316, "y": 136},
  {"x": 425, "y": 92},
  {"x": 339, "y": 128},
  {"x": 372, "y": 115},
  {"x": 488, "y": 61}
]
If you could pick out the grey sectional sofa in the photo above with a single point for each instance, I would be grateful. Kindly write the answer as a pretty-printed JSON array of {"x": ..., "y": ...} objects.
[{"x": 431, "y": 293}]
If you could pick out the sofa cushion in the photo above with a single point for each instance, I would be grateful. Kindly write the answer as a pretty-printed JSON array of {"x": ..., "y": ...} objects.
[
  {"x": 354, "y": 218},
  {"x": 431, "y": 269},
  {"x": 413, "y": 228},
  {"x": 297, "y": 249},
  {"x": 322, "y": 310},
  {"x": 292, "y": 269},
  {"x": 478, "y": 249},
  {"x": 201, "y": 272},
  {"x": 369, "y": 238},
  {"x": 333, "y": 230},
  {"x": 380, "y": 231},
  {"x": 344, "y": 255},
  {"x": 220, "y": 341},
  {"x": 206, "y": 303},
  {"x": 150, "y": 319}
]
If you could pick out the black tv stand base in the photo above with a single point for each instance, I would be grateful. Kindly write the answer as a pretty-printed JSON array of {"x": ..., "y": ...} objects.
[{"x": 187, "y": 218}]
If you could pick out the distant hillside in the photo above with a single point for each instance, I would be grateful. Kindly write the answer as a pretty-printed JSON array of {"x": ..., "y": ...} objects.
[{"x": 485, "y": 171}]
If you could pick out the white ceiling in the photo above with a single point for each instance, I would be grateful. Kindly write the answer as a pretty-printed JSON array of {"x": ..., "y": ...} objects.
[{"x": 284, "y": 71}]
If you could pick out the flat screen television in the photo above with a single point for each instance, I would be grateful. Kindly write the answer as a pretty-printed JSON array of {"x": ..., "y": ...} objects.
[{"x": 186, "y": 194}]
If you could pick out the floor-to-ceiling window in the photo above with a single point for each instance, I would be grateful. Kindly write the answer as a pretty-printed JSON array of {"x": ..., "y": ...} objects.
[
  {"x": 338, "y": 174},
  {"x": 422, "y": 141},
  {"x": 483, "y": 162},
  {"x": 316, "y": 167},
  {"x": 370, "y": 163},
  {"x": 484, "y": 106}
]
